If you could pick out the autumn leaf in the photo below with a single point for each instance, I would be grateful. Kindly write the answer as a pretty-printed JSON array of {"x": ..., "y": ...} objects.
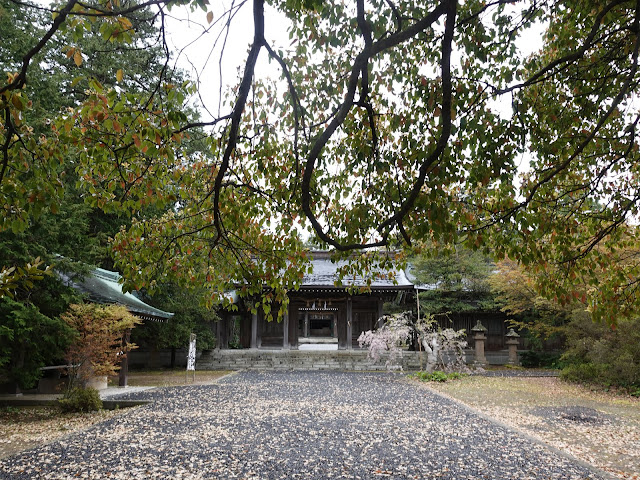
[{"x": 77, "y": 57}]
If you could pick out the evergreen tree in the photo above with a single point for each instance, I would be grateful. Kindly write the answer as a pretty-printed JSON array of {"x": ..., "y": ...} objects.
[
  {"x": 189, "y": 316},
  {"x": 455, "y": 281},
  {"x": 71, "y": 235}
]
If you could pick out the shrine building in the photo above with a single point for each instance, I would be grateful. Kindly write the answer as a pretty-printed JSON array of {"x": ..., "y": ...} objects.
[{"x": 321, "y": 315}]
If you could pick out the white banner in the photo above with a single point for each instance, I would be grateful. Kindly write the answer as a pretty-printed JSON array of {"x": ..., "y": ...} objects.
[{"x": 191, "y": 357}]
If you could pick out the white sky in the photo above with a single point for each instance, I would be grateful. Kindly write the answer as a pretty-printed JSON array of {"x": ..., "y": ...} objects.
[{"x": 198, "y": 47}]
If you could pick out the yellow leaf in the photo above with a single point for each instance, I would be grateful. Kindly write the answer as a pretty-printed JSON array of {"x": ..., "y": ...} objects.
[
  {"x": 210, "y": 17},
  {"x": 119, "y": 75},
  {"x": 77, "y": 57},
  {"x": 125, "y": 22},
  {"x": 17, "y": 103}
]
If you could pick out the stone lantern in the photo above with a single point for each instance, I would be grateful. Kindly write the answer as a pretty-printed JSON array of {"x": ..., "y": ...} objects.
[
  {"x": 479, "y": 336},
  {"x": 512, "y": 342}
]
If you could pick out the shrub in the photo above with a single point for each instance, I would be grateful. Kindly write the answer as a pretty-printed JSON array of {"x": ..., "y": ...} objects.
[
  {"x": 29, "y": 340},
  {"x": 81, "y": 400},
  {"x": 437, "y": 376},
  {"x": 584, "y": 373},
  {"x": 604, "y": 355},
  {"x": 100, "y": 341},
  {"x": 535, "y": 359}
]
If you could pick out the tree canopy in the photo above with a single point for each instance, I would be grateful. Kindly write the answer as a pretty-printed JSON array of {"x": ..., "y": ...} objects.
[
  {"x": 454, "y": 281},
  {"x": 393, "y": 124}
]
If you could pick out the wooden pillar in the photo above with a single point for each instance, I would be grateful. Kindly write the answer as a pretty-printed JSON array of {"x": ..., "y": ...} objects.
[
  {"x": 254, "y": 330},
  {"x": 341, "y": 320},
  {"x": 218, "y": 333},
  {"x": 379, "y": 314},
  {"x": 293, "y": 328},
  {"x": 306, "y": 324},
  {"x": 349, "y": 323},
  {"x": 222, "y": 330},
  {"x": 285, "y": 331},
  {"x": 124, "y": 363},
  {"x": 245, "y": 331}
]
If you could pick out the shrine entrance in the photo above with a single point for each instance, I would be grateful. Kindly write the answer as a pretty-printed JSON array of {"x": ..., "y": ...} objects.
[
  {"x": 322, "y": 325},
  {"x": 318, "y": 324},
  {"x": 318, "y": 329},
  {"x": 322, "y": 314}
]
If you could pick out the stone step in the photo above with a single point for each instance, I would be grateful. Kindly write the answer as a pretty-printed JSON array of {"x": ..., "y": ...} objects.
[{"x": 299, "y": 360}]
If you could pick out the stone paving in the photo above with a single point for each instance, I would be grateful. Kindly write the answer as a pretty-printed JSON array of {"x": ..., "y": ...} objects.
[{"x": 310, "y": 425}]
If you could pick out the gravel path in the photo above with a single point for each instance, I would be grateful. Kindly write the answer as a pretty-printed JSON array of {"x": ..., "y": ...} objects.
[{"x": 308, "y": 425}]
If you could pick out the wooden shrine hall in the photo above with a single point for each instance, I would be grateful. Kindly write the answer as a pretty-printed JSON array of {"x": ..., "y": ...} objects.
[{"x": 321, "y": 316}]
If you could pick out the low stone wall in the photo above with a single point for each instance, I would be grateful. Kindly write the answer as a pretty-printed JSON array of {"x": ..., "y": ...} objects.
[
  {"x": 266, "y": 359},
  {"x": 500, "y": 357}
]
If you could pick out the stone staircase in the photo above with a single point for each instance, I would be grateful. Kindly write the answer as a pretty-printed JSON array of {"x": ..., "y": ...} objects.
[{"x": 260, "y": 359}]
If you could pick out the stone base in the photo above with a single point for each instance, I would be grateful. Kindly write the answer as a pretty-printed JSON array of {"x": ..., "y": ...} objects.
[{"x": 99, "y": 383}]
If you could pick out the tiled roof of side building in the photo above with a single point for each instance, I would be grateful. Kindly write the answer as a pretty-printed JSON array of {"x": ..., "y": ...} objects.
[{"x": 103, "y": 286}]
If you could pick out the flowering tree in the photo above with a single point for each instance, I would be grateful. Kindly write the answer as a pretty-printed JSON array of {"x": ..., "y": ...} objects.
[{"x": 444, "y": 348}]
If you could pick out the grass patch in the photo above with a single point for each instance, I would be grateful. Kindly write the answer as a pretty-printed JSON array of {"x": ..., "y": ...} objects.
[{"x": 26, "y": 427}]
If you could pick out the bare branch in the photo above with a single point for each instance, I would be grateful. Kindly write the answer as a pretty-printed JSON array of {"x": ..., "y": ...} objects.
[{"x": 295, "y": 100}]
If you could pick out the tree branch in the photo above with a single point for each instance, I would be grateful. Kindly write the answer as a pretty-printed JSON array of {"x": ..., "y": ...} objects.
[
  {"x": 572, "y": 57},
  {"x": 447, "y": 7},
  {"x": 236, "y": 116},
  {"x": 21, "y": 78}
]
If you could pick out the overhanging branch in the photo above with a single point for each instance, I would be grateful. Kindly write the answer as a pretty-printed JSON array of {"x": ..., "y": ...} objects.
[{"x": 447, "y": 8}]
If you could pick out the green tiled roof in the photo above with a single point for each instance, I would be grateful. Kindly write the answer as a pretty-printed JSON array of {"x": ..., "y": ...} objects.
[{"x": 103, "y": 286}]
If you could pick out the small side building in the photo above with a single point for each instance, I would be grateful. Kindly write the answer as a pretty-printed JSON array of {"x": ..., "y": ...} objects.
[{"x": 104, "y": 287}]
